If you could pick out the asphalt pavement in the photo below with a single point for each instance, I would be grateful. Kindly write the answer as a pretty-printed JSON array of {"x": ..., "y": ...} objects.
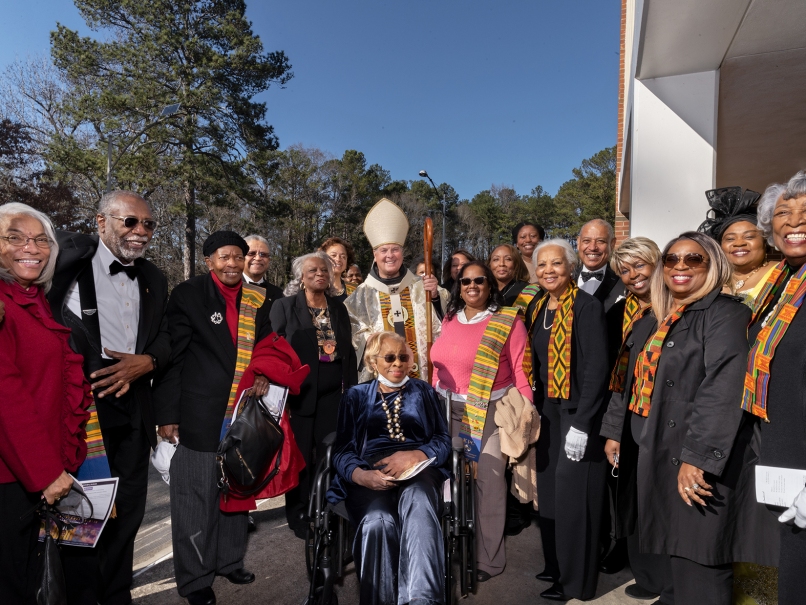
[{"x": 277, "y": 558}]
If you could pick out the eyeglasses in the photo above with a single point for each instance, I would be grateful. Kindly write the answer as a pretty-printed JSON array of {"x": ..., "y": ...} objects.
[
  {"x": 390, "y": 357},
  {"x": 130, "y": 222},
  {"x": 258, "y": 254},
  {"x": 19, "y": 241},
  {"x": 692, "y": 260},
  {"x": 466, "y": 281}
]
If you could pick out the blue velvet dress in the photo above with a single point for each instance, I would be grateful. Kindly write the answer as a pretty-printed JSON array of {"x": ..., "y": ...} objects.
[{"x": 398, "y": 548}]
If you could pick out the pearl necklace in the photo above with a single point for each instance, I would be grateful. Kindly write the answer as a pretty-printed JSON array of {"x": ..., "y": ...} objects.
[{"x": 393, "y": 416}]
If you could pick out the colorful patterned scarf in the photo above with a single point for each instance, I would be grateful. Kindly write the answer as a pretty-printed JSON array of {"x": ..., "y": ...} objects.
[
  {"x": 525, "y": 297},
  {"x": 408, "y": 323},
  {"x": 646, "y": 366},
  {"x": 482, "y": 377},
  {"x": 559, "y": 370},
  {"x": 96, "y": 464},
  {"x": 757, "y": 378},
  {"x": 252, "y": 298},
  {"x": 632, "y": 313}
]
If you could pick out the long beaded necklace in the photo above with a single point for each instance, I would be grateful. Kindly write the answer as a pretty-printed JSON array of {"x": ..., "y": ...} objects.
[{"x": 392, "y": 411}]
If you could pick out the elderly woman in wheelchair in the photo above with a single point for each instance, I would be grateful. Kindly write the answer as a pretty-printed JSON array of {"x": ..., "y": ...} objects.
[{"x": 386, "y": 427}]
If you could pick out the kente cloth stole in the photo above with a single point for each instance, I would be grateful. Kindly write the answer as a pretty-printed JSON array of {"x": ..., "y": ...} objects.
[
  {"x": 646, "y": 366},
  {"x": 525, "y": 297},
  {"x": 632, "y": 313},
  {"x": 767, "y": 292},
  {"x": 349, "y": 288},
  {"x": 252, "y": 298},
  {"x": 401, "y": 321},
  {"x": 757, "y": 378},
  {"x": 559, "y": 370},
  {"x": 96, "y": 465},
  {"x": 482, "y": 377}
]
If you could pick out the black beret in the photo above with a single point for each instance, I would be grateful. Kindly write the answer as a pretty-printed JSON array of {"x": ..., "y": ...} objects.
[{"x": 223, "y": 238}]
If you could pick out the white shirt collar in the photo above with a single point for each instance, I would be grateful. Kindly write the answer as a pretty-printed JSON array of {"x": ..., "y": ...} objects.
[
  {"x": 249, "y": 280},
  {"x": 478, "y": 317}
]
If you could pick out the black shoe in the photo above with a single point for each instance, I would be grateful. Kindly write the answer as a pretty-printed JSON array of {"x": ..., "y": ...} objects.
[
  {"x": 482, "y": 576},
  {"x": 203, "y": 596},
  {"x": 251, "y": 526},
  {"x": 516, "y": 526},
  {"x": 636, "y": 592},
  {"x": 555, "y": 593},
  {"x": 240, "y": 576},
  {"x": 612, "y": 564},
  {"x": 546, "y": 576}
]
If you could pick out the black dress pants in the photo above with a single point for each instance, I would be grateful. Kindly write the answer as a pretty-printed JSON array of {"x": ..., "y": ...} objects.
[
  {"x": 18, "y": 554},
  {"x": 104, "y": 574},
  {"x": 310, "y": 432},
  {"x": 571, "y": 498},
  {"x": 702, "y": 584}
]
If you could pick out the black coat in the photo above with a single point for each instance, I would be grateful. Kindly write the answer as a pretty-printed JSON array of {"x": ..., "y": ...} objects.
[
  {"x": 194, "y": 389},
  {"x": 609, "y": 290},
  {"x": 695, "y": 418},
  {"x": 589, "y": 369},
  {"x": 75, "y": 255},
  {"x": 291, "y": 319}
]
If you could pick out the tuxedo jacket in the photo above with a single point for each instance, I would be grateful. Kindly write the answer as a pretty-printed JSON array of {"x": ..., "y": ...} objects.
[
  {"x": 75, "y": 257},
  {"x": 194, "y": 389},
  {"x": 609, "y": 290},
  {"x": 291, "y": 319},
  {"x": 273, "y": 293}
]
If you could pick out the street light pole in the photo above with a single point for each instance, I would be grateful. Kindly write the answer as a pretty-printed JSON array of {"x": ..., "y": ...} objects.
[
  {"x": 424, "y": 174},
  {"x": 165, "y": 113}
]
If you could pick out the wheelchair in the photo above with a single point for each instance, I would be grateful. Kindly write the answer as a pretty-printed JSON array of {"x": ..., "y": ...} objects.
[{"x": 328, "y": 544}]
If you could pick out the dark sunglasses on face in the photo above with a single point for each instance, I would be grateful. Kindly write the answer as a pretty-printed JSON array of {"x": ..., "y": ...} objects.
[
  {"x": 130, "y": 222},
  {"x": 466, "y": 281},
  {"x": 692, "y": 260},
  {"x": 390, "y": 357}
]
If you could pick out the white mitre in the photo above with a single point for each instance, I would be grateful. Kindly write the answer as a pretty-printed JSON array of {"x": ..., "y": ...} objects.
[{"x": 386, "y": 224}]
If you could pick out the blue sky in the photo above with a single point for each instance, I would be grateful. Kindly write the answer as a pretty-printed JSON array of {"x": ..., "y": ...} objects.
[{"x": 477, "y": 92}]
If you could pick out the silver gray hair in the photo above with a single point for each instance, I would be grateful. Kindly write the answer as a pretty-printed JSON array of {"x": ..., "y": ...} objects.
[
  {"x": 766, "y": 208},
  {"x": 570, "y": 256},
  {"x": 12, "y": 209},
  {"x": 110, "y": 198},
  {"x": 257, "y": 238},
  {"x": 611, "y": 233},
  {"x": 296, "y": 271}
]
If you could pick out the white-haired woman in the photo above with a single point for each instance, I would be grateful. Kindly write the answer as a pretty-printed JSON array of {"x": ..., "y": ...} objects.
[
  {"x": 695, "y": 485},
  {"x": 317, "y": 326},
  {"x": 386, "y": 426},
  {"x": 775, "y": 381},
  {"x": 44, "y": 395},
  {"x": 570, "y": 361}
]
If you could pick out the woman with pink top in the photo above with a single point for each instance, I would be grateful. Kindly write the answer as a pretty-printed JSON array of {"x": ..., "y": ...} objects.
[{"x": 476, "y": 320}]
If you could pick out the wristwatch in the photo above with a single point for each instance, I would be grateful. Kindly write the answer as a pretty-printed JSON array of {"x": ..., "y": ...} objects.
[{"x": 153, "y": 361}]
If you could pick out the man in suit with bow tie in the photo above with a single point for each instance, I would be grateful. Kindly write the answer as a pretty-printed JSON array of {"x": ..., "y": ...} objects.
[{"x": 114, "y": 301}]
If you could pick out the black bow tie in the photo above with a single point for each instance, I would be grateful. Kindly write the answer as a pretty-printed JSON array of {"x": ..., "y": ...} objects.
[
  {"x": 132, "y": 271},
  {"x": 586, "y": 275}
]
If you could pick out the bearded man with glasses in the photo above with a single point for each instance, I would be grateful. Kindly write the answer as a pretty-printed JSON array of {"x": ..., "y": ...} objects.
[{"x": 114, "y": 301}]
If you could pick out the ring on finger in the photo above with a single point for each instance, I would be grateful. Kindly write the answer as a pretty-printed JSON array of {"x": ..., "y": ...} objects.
[
  {"x": 688, "y": 489},
  {"x": 696, "y": 486}
]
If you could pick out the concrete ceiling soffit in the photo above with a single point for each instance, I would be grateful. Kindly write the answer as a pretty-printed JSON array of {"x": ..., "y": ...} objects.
[
  {"x": 687, "y": 36},
  {"x": 770, "y": 26}
]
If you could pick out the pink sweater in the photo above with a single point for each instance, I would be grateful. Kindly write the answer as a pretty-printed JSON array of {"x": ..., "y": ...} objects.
[{"x": 454, "y": 351}]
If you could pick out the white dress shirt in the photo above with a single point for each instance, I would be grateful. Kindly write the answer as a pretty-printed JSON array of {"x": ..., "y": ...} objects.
[{"x": 118, "y": 303}]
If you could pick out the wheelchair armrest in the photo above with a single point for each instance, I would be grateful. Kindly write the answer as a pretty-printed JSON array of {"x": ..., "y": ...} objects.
[
  {"x": 330, "y": 439},
  {"x": 457, "y": 444}
]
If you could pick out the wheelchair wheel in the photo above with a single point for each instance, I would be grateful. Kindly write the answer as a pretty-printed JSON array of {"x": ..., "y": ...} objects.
[
  {"x": 310, "y": 548},
  {"x": 467, "y": 537}
]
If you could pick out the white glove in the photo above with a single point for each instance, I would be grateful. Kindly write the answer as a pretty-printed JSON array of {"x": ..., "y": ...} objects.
[
  {"x": 797, "y": 511},
  {"x": 575, "y": 444},
  {"x": 161, "y": 459}
]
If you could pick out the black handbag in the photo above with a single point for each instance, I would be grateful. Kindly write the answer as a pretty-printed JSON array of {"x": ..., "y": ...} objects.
[
  {"x": 50, "y": 586},
  {"x": 247, "y": 450}
]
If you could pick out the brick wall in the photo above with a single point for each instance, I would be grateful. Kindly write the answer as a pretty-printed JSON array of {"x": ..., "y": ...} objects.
[{"x": 622, "y": 222}]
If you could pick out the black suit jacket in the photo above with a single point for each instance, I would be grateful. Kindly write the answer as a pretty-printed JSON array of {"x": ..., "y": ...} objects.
[
  {"x": 75, "y": 255},
  {"x": 609, "y": 290},
  {"x": 291, "y": 319},
  {"x": 589, "y": 364},
  {"x": 273, "y": 293},
  {"x": 194, "y": 389}
]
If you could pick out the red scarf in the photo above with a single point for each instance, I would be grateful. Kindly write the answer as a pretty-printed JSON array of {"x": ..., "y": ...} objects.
[{"x": 230, "y": 294}]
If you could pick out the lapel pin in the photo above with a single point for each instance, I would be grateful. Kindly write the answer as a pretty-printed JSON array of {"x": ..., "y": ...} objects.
[
  {"x": 216, "y": 318},
  {"x": 89, "y": 311}
]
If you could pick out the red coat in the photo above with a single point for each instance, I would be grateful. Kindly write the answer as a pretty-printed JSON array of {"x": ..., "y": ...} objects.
[
  {"x": 44, "y": 396},
  {"x": 274, "y": 358}
]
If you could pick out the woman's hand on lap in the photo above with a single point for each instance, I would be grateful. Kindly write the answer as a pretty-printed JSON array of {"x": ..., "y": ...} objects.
[
  {"x": 399, "y": 462},
  {"x": 372, "y": 479}
]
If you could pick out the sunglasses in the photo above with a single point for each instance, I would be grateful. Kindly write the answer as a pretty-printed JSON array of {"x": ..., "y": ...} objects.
[
  {"x": 390, "y": 357},
  {"x": 130, "y": 222},
  {"x": 252, "y": 254},
  {"x": 466, "y": 281},
  {"x": 692, "y": 260}
]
